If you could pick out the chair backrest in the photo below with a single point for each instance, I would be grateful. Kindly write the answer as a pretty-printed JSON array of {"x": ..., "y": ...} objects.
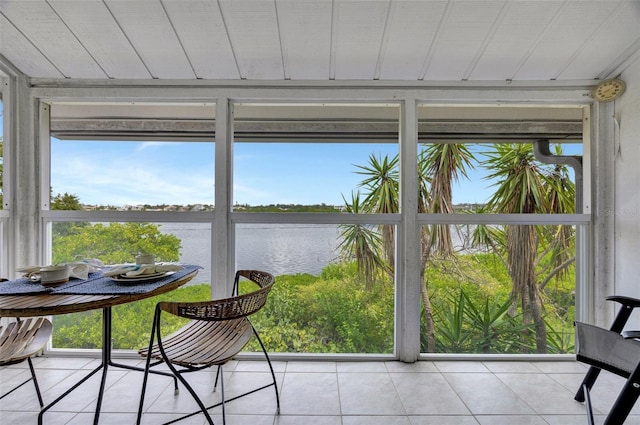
[
  {"x": 23, "y": 338},
  {"x": 226, "y": 308},
  {"x": 606, "y": 349}
]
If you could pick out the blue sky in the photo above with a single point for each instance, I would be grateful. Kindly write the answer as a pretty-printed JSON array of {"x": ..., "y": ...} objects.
[
  {"x": 120, "y": 173},
  {"x": 129, "y": 173}
]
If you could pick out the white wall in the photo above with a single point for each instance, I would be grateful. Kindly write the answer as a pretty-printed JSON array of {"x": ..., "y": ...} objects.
[{"x": 627, "y": 188}]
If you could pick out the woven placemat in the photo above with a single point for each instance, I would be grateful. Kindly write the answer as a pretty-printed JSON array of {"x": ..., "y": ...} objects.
[
  {"x": 22, "y": 286},
  {"x": 107, "y": 286},
  {"x": 96, "y": 284}
]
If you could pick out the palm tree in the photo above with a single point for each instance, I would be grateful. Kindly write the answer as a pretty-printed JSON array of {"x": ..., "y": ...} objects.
[
  {"x": 381, "y": 184},
  {"x": 561, "y": 192},
  {"x": 444, "y": 164},
  {"x": 439, "y": 167},
  {"x": 526, "y": 188},
  {"x": 360, "y": 242},
  {"x": 533, "y": 255}
]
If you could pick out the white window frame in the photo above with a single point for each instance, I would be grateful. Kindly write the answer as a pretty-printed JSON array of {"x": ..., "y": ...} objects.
[{"x": 407, "y": 347}]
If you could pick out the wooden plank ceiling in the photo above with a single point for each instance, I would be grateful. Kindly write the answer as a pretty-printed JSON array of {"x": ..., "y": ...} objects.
[{"x": 405, "y": 40}]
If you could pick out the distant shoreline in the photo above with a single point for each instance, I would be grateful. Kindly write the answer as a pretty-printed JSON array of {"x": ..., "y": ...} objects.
[{"x": 315, "y": 208}]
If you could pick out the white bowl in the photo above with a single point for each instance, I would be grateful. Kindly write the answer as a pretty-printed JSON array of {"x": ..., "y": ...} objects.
[
  {"x": 145, "y": 259},
  {"x": 54, "y": 274}
]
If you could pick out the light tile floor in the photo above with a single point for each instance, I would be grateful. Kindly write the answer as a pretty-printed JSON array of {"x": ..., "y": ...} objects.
[{"x": 325, "y": 393}]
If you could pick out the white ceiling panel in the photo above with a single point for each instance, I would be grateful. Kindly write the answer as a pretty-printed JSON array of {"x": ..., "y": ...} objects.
[
  {"x": 51, "y": 36},
  {"x": 464, "y": 31},
  {"x": 23, "y": 54},
  {"x": 306, "y": 42},
  {"x": 411, "y": 31},
  {"x": 514, "y": 36},
  {"x": 404, "y": 40},
  {"x": 614, "y": 40},
  {"x": 91, "y": 22},
  {"x": 254, "y": 33},
  {"x": 201, "y": 30},
  {"x": 570, "y": 32},
  {"x": 358, "y": 35},
  {"x": 150, "y": 32}
]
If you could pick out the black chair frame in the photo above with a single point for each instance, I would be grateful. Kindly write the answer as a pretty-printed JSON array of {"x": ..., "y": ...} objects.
[{"x": 233, "y": 308}]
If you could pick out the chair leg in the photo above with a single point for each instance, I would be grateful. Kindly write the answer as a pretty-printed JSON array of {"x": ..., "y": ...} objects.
[
  {"x": 31, "y": 378},
  {"x": 15, "y": 388},
  {"x": 145, "y": 376},
  {"x": 215, "y": 384},
  {"x": 35, "y": 382},
  {"x": 587, "y": 402},
  {"x": 224, "y": 413},
  {"x": 273, "y": 375},
  {"x": 193, "y": 393},
  {"x": 588, "y": 381},
  {"x": 625, "y": 401}
]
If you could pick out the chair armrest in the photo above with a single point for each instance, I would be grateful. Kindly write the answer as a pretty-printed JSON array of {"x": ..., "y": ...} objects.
[
  {"x": 626, "y": 301},
  {"x": 631, "y": 334},
  {"x": 628, "y": 304}
]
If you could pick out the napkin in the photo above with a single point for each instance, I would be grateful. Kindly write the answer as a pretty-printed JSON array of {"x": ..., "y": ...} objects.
[
  {"x": 131, "y": 270},
  {"x": 81, "y": 269}
]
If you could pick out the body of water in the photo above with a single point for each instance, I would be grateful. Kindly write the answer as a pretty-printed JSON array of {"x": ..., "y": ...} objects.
[{"x": 275, "y": 248}]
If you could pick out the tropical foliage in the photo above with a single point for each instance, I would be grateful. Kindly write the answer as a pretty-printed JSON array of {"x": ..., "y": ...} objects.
[
  {"x": 484, "y": 288},
  {"x": 531, "y": 255},
  {"x": 335, "y": 313},
  {"x": 113, "y": 243}
]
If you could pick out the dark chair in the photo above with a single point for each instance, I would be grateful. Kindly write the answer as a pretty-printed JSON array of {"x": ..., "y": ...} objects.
[
  {"x": 219, "y": 330},
  {"x": 19, "y": 341},
  {"x": 615, "y": 351}
]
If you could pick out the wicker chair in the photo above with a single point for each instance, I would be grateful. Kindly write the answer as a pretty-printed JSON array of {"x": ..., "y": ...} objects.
[
  {"x": 19, "y": 341},
  {"x": 219, "y": 330}
]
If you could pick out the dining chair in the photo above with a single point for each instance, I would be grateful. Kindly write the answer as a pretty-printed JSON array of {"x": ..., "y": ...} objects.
[
  {"x": 614, "y": 350},
  {"x": 218, "y": 330},
  {"x": 20, "y": 340}
]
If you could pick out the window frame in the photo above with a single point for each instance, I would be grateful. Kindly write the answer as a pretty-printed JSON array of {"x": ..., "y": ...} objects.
[{"x": 223, "y": 221}]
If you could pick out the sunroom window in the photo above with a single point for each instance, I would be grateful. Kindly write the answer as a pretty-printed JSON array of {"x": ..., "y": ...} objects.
[
  {"x": 129, "y": 179},
  {"x": 304, "y": 206},
  {"x": 498, "y": 236},
  {"x": 315, "y": 196}
]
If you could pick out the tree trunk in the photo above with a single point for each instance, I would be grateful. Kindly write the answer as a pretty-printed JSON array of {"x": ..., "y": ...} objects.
[
  {"x": 428, "y": 314},
  {"x": 522, "y": 247},
  {"x": 538, "y": 321}
]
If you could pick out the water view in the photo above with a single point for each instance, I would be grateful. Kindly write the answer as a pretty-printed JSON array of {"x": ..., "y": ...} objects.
[{"x": 276, "y": 248}]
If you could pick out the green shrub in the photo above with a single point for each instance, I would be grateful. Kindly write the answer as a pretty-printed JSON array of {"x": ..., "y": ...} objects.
[{"x": 336, "y": 313}]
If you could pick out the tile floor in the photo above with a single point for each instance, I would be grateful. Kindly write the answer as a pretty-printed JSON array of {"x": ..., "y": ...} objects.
[{"x": 326, "y": 393}]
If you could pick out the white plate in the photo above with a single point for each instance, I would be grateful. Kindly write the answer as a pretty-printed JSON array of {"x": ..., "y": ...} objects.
[{"x": 140, "y": 278}]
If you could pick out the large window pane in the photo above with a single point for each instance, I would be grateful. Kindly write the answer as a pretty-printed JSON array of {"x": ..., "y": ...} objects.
[
  {"x": 133, "y": 175},
  {"x": 482, "y": 178},
  {"x": 310, "y": 155},
  {"x": 323, "y": 300},
  {"x": 304, "y": 174},
  {"x": 500, "y": 290},
  {"x": 468, "y": 154}
]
